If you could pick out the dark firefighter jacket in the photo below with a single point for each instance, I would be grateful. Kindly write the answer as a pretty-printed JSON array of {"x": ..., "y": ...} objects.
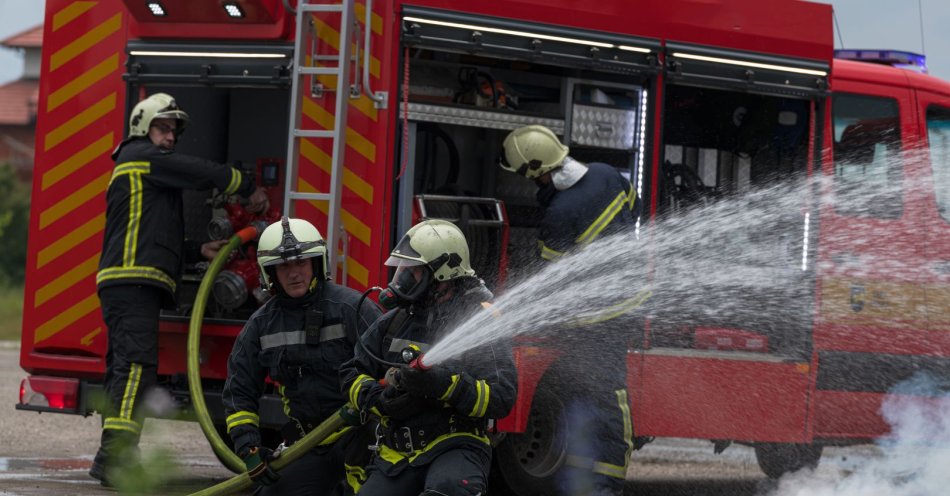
[
  {"x": 484, "y": 386},
  {"x": 300, "y": 344},
  {"x": 601, "y": 202},
  {"x": 144, "y": 221}
]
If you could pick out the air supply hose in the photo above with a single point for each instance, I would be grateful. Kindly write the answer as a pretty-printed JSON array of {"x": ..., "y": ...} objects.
[
  {"x": 224, "y": 453},
  {"x": 298, "y": 449}
]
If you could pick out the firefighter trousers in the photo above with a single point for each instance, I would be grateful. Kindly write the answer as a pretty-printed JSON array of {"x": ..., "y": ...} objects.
[
  {"x": 131, "y": 315},
  {"x": 460, "y": 471},
  {"x": 334, "y": 470},
  {"x": 600, "y": 432}
]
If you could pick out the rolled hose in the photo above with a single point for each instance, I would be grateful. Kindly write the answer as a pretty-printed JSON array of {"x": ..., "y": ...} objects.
[
  {"x": 230, "y": 460},
  {"x": 311, "y": 440}
]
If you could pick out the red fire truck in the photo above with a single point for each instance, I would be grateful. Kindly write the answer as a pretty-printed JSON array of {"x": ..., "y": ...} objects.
[{"x": 366, "y": 117}]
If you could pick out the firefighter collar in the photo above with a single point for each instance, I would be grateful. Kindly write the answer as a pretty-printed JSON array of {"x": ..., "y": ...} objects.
[{"x": 568, "y": 174}]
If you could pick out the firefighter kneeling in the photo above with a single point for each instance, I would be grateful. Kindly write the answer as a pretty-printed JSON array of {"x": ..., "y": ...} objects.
[
  {"x": 299, "y": 338},
  {"x": 432, "y": 436}
]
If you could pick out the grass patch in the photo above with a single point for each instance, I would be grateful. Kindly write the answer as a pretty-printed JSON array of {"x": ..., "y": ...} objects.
[{"x": 11, "y": 312}]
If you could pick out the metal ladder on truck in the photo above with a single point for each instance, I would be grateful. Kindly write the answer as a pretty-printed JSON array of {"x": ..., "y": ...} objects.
[{"x": 335, "y": 65}]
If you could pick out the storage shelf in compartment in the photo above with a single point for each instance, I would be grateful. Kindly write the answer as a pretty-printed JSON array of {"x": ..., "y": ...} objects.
[{"x": 493, "y": 119}]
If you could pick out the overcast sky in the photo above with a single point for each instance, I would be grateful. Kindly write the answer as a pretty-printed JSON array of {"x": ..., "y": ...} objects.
[
  {"x": 16, "y": 16},
  {"x": 894, "y": 24}
]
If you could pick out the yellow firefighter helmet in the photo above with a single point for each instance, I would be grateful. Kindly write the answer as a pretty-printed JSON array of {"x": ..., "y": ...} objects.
[
  {"x": 436, "y": 244},
  {"x": 532, "y": 151},
  {"x": 157, "y": 106},
  {"x": 290, "y": 239}
]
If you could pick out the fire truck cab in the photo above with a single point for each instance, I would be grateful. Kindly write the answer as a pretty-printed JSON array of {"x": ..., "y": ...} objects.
[{"x": 367, "y": 117}]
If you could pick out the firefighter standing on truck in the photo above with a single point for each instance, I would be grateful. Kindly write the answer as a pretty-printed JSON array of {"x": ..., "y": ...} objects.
[
  {"x": 299, "y": 338},
  {"x": 141, "y": 260},
  {"x": 432, "y": 438},
  {"x": 582, "y": 202}
]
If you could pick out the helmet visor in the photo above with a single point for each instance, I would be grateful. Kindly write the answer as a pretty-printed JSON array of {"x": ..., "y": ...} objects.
[
  {"x": 291, "y": 250},
  {"x": 403, "y": 251},
  {"x": 410, "y": 280}
]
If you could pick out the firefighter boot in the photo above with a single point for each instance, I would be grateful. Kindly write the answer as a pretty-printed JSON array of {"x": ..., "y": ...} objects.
[{"x": 118, "y": 451}]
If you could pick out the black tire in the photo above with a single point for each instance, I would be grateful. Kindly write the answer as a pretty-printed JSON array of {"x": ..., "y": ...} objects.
[
  {"x": 776, "y": 460},
  {"x": 527, "y": 464}
]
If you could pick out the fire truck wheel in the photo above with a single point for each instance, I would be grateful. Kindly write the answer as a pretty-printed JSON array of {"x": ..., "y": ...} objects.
[
  {"x": 776, "y": 460},
  {"x": 528, "y": 463}
]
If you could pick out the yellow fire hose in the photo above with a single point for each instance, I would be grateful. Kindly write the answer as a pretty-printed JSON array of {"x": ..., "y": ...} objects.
[
  {"x": 298, "y": 449},
  {"x": 229, "y": 458}
]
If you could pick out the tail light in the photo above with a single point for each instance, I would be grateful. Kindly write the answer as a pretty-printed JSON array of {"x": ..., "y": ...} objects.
[{"x": 55, "y": 393}]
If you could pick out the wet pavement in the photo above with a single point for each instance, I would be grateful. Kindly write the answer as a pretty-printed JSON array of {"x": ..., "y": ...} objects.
[{"x": 50, "y": 454}]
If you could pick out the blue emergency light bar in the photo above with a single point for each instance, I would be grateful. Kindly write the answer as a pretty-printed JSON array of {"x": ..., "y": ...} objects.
[{"x": 896, "y": 58}]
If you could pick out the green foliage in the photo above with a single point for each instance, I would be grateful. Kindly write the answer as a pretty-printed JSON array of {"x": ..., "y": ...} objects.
[
  {"x": 11, "y": 312},
  {"x": 14, "y": 222},
  {"x": 156, "y": 469}
]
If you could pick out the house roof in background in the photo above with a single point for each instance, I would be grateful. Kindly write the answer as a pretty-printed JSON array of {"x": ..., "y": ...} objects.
[
  {"x": 18, "y": 102},
  {"x": 30, "y": 38}
]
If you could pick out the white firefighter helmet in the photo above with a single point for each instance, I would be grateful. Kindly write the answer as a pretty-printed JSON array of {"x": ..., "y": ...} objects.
[
  {"x": 157, "y": 106},
  {"x": 290, "y": 239},
  {"x": 532, "y": 151},
  {"x": 436, "y": 244}
]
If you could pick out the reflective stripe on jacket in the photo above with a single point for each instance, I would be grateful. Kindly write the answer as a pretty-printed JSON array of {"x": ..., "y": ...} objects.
[
  {"x": 144, "y": 230},
  {"x": 601, "y": 202},
  {"x": 484, "y": 386},
  {"x": 303, "y": 357}
]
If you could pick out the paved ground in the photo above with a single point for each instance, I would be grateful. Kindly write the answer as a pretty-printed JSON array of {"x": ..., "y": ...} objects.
[{"x": 43, "y": 454}]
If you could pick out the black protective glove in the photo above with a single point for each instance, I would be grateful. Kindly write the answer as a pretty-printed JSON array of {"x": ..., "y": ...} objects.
[
  {"x": 432, "y": 383},
  {"x": 350, "y": 416},
  {"x": 399, "y": 405},
  {"x": 257, "y": 460}
]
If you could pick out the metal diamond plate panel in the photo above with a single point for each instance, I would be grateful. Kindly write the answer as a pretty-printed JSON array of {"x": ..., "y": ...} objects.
[
  {"x": 479, "y": 118},
  {"x": 603, "y": 127}
]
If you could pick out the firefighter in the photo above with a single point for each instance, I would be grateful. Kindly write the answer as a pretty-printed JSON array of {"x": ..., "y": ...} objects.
[
  {"x": 140, "y": 263},
  {"x": 299, "y": 339},
  {"x": 581, "y": 203},
  {"x": 432, "y": 437}
]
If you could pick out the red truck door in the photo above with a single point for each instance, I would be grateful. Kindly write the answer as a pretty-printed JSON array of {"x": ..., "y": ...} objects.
[
  {"x": 933, "y": 159},
  {"x": 870, "y": 299}
]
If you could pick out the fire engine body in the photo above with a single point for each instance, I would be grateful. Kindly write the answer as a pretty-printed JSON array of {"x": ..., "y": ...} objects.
[{"x": 639, "y": 85}]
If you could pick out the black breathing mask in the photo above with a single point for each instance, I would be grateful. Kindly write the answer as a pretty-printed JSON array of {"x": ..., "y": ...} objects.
[{"x": 405, "y": 289}]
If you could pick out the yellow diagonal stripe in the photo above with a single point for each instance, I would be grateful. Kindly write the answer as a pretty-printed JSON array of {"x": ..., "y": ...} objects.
[
  {"x": 87, "y": 339},
  {"x": 70, "y": 241},
  {"x": 85, "y": 42},
  {"x": 83, "y": 82},
  {"x": 77, "y": 161},
  {"x": 331, "y": 37},
  {"x": 327, "y": 34},
  {"x": 49, "y": 328},
  {"x": 377, "y": 21},
  {"x": 354, "y": 140},
  {"x": 357, "y": 271},
  {"x": 66, "y": 281},
  {"x": 71, "y": 12},
  {"x": 353, "y": 225},
  {"x": 80, "y": 121},
  {"x": 351, "y": 181},
  {"x": 362, "y": 145},
  {"x": 363, "y": 103},
  {"x": 96, "y": 187}
]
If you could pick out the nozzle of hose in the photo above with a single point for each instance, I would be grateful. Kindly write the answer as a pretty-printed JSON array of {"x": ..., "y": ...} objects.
[{"x": 418, "y": 365}]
